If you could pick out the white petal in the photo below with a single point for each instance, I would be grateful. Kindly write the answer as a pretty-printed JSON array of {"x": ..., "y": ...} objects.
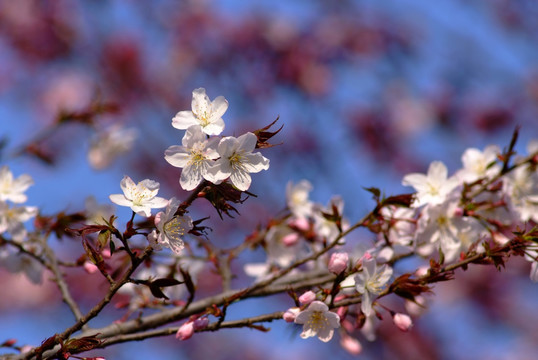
[
  {"x": 193, "y": 135},
  {"x": 227, "y": 146},
  {"x": 184, "y": 119},
  {"x": 437, "y": 172},
  {"x": 157, "y": 202},
  {"x": 190, "y": 178},
  {"x": 255, "y": 163},
  {"x": 325, "y": 334},
  {"x": 318, "y": 306},
  {"x": 120, "y": 199},
  {"x": 214, "y": 128},
  {"x": 247, "y": 142},
  {"x": 219, "y": 106},
  {"x": 241, "y": 179},
  {"x": 177, "y": 156},
  {"x": 366, "y": 305}
]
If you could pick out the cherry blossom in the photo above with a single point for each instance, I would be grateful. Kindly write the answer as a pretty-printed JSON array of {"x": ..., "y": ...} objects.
[
  {"x": 370, "y": 282},
  {"x": 195, "y": 156},
  {"x": 237, "y": 160},
  {"x": 432, "y": 188},
  {"x": 318, "y": 321},
  {"x": 297, "y": 198},
  {"x": 108, "y": 144},
  {"x": 12, "y": 219},
  {"x": 172, "y": 227},
  {"x": 13, "y": 189},
  {"x": 205, "y": 113},
  {"x": 141, "y": 197}
]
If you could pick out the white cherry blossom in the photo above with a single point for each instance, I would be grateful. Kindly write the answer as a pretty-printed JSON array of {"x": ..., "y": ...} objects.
[
  {"x": 370, "y": 282},
  {"x": 432, "y": 188},
  {"x": 318, "y": 321},
  {"x": 141, "y": 197},
  {"x": 172, "y": 228},
  {"x": 196, "y": 156},
  {"x": 237, "y": 160},
  {"x": 440, "y": 227},
  {"x": 13, "y": 189},
  {"x": 12, "y": 219},
  {"x": 205, "y": 113},
  {"x": 476, "y": 162},
  {"x": 108, "y": 144}
]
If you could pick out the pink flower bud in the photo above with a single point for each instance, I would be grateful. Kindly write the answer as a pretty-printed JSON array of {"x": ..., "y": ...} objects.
[
  {"x": 290, "y": 239},
  {"x": 200, "y": 323},
  {"x": 338, "y": 262},
  {"x": 290, "y": 314},
  {"x": 300, "y": 223},
  {"x": 351, "y": 345},
  {"x": 185, "y": 331},
  {"x": 307, "y": 297},
  {"x": 90, "y": 267},
  {"x": 458, "y": 212},
  {"x": 106, "y": 253},
  {"x": 402, "y": 321}
]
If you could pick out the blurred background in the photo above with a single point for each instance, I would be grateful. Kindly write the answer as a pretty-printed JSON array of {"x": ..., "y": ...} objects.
[{"x": 367, "y": 91}]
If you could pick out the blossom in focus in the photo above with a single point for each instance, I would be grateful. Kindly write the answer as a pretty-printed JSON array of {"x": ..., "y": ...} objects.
[
  {"x": 432, "y": 188},
  {"x": 13, "y": 189},
  {"x": 205, "y": 113},
  {"x": 141, "y": 197},
  {"x": 237, "y": 160},
  {"x": 196, "y": 156},
  {"x": 297, "y": 198},
  {"x": 108, "y": 144},
  {"x": 371, "y": 282},
  {"x": 172, "y": 227},
  {"x": 318, "y": 321}
]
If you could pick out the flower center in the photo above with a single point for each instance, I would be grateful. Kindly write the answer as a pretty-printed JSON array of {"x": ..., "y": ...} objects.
[
  {"x": 317, "y": 321},
  {"x": 174, "y": 228}
]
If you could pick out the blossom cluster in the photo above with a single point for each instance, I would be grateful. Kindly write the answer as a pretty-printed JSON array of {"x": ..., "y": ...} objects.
[
  {"x": 448, "y": 218},
  {"x": 212, "y": 158},
  {"x": 201, "y": 157}
]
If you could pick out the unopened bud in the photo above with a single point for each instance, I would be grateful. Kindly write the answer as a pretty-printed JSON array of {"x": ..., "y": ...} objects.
[
  {"x": 290, "y": 239},
  {"x": 185, "y": 331},
  {"x": 338, "y": 262},
  {"x": 402, "y": 321},
  {"x": 291, "y": 314},
  {"x": 307, "y": 297},
  {"x": 351, "y": 345},
  {"x": 90, "y": 267}
]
